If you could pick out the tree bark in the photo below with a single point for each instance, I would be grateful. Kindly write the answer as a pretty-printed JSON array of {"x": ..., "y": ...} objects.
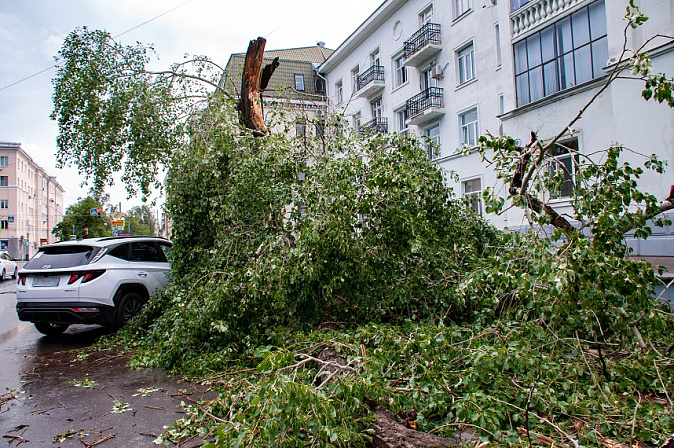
[{"x": 253, "y": 82}]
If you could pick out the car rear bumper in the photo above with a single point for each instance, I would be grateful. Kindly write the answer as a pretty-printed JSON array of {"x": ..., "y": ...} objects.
[{"x": 66, "y": 312}]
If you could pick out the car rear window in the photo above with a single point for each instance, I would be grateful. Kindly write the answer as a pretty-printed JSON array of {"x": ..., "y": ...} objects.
[{"x": 58, "y": 257}]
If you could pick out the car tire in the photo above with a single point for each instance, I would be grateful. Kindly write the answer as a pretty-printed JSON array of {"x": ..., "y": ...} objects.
[
  {"x": 128, "y": 307},
  {"x": 14, "y": 274},
  {"x": 3, "y": 276},
  {"x": 50, "y": 329}
]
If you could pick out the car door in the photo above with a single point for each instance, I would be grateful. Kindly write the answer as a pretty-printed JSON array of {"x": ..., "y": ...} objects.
[{"x": 149, "y": 264}]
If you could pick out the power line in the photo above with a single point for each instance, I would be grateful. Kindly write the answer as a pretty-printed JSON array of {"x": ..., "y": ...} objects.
[{"x": 115, "y": 37}]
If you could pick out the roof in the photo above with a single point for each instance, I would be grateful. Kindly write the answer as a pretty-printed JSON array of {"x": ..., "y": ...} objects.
[
  {"x": 294, "y": 61},
  {"x": 316, "y": 54}
]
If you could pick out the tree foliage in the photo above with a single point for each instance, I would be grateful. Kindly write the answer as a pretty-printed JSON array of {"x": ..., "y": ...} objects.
[
  {"x": 78, "y": 217},
  {"x": 140, "y": 220},
  {"x": 115, "y": 115}
]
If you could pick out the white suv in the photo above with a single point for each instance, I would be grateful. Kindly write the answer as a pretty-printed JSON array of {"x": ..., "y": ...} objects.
[{"x": 94, "y": 281}]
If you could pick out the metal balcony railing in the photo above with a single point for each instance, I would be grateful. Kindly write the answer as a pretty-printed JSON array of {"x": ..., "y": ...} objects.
[
  {"x": 428, "y": 99},
  {"x": 427, "y": 34},
  {"x": 378, "y": 125},
  {"x": 374, "y": 73}
]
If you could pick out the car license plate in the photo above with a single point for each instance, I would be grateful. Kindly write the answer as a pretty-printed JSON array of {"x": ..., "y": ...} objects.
[{"x": 46, "y": 281}]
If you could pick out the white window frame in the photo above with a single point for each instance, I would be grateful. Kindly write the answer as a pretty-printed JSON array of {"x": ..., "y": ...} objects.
[
  {"x": 356, "y": 118},
  {"x": 339, "y": 92},
  {"x": 4, "y": 161},
  {"x": 469, "y": 130},
  {"x": 465, "y": 58},
  {"x": 426, "y": 15},
  {"x": 476, "y": 201},
  {"x": 434, "y": 151},
  {"x": 299, "y": 82},
  {"x": 556, "y": 161},
  {"x": 355, "y": 71},
  {"x": 4, "y": 204},
  {"x": 376, "y": 107},
  {"x": 375, "y": 59},
  {"x": 401, "y": 75},
  {"x": 401, "y": 120},
  {"x": 497, "y": 44},
  {"x": 461, "y": 7}
]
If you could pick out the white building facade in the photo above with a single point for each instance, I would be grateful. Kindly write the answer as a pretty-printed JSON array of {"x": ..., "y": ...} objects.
[{"x": 455, "y": 70}]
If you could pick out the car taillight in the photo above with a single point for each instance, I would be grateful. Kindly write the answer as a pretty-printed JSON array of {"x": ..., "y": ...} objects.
[
  {"x": 89, "y": 276},
  {"x": 22, "y": 280},
  {"x": 73, "y": 278}
]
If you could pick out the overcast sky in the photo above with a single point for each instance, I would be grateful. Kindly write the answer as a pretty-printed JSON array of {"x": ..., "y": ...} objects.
[{"x": 32, "y": 31}]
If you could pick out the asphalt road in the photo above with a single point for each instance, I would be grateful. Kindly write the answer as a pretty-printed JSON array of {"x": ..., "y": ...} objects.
[{"x": 50, "y": 397}]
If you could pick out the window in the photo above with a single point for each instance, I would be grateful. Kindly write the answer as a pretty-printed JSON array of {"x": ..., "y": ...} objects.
[
  {"x": 375, "y": 107},
  {"x": 563, "y": 162},
  {"x": 468, "y": 127},
  {"x": 4, "y": 181},
  {"x": 354, "y": 78},
  {"x": 339, "y": 92},
  {"x": 4, "y": 161},
  {"x": 146, "y": 251},
  {"x": 356, "y": 121},
  {"x": 427, "y": 80},
  {"x": 400, "y": 70},
  {"x": 401, "y": 120},
  {"x": 374, "y": 58},
  {"x": 501, "y": 104},
  {"x": 517, "y": 4},
  {"x": 471, "y": 190},
  {"x": 497, "y": 44},
  {"x": 461, "y": 7},
  {"x": 299, "y": 82},
  {"x": 4, "y": 224},
  {"x": 433, "y": 142},
  {"x": 300, "y": 130},
  {"x": 466, "y": 58},
  {"x": 425, "y": 16},
  {"x": 4, "y": 203},
  {"x": 567, "y": 53}
]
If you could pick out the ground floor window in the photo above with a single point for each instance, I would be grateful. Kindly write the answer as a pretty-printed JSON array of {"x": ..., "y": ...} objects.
[{"x": 471, "y": 189}]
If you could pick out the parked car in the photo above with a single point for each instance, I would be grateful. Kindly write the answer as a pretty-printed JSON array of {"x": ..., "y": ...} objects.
[
  {"x": 7, "y": 266},
  {"x": 92, "y": 281}
]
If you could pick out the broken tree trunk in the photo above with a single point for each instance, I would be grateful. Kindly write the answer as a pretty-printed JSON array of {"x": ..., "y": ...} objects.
[{"x": 253, "y": 82}]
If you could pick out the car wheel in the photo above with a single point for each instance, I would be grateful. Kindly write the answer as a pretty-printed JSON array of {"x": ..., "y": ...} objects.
[
  {"x": 3, "y": 276},
  {"x": 50, "y": 329},
  {"x": 128, "y": 307},
  {"x": 14, "y": 274}
]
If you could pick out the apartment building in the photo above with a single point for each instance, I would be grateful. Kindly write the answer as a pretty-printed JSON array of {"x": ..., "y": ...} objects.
[
  {"x": 31, "y": 202},
  {"x": 458, "y": 69}
]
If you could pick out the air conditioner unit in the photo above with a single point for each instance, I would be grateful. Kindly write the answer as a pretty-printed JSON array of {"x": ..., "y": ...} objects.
[{"x": 436, "y": 72}]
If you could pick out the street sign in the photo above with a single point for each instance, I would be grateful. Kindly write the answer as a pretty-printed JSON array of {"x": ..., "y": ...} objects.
[
  {"x": 117, "y": 223},
  {"x": 10, "y": 219},
  {"x": 95, "y": 212}
]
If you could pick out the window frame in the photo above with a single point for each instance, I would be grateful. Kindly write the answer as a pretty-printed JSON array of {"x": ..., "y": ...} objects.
[
  {"x": 425, "y": 15},
  {"x": 551, "y": 60},
  {"x": 434, "y": 149},
  {"x": 461, "y": 7},
  {"x": 476, "y": 194},
  {"x": 4, "y": 161},
  {"x": 465, "y": 58},
  {"x": 465, "y": 128},
  {"x": 401, "y": 76},
  {"x": 4, "y": 181},
  {"x": 299, "y": 82},
  {"x": 339, "y": 91},
  {"x": 355, "y": 71},
  {"x": 555, "y": 161}
]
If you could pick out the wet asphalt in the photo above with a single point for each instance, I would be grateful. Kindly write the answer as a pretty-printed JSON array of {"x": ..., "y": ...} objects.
[{"x": 49, "y": 396}]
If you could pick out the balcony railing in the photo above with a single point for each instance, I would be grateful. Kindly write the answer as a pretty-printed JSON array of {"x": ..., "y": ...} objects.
[
  {"x": 533, "y": 13},
  {"x": 374, "y": 73},
  {"x": 426, "y": 38},
  {"x": 378, "y": 125},
  {"x": 430, "y": 98}
]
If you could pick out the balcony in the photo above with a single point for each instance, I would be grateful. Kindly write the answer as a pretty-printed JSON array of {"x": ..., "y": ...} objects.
[
  {"x": 378, "y": 125},
  {"x": 370, "y": 82},
  {"x": 423, "y": 45},
  {"x": 425, "y": 107},
  {"x": 533, "y": 13}
]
